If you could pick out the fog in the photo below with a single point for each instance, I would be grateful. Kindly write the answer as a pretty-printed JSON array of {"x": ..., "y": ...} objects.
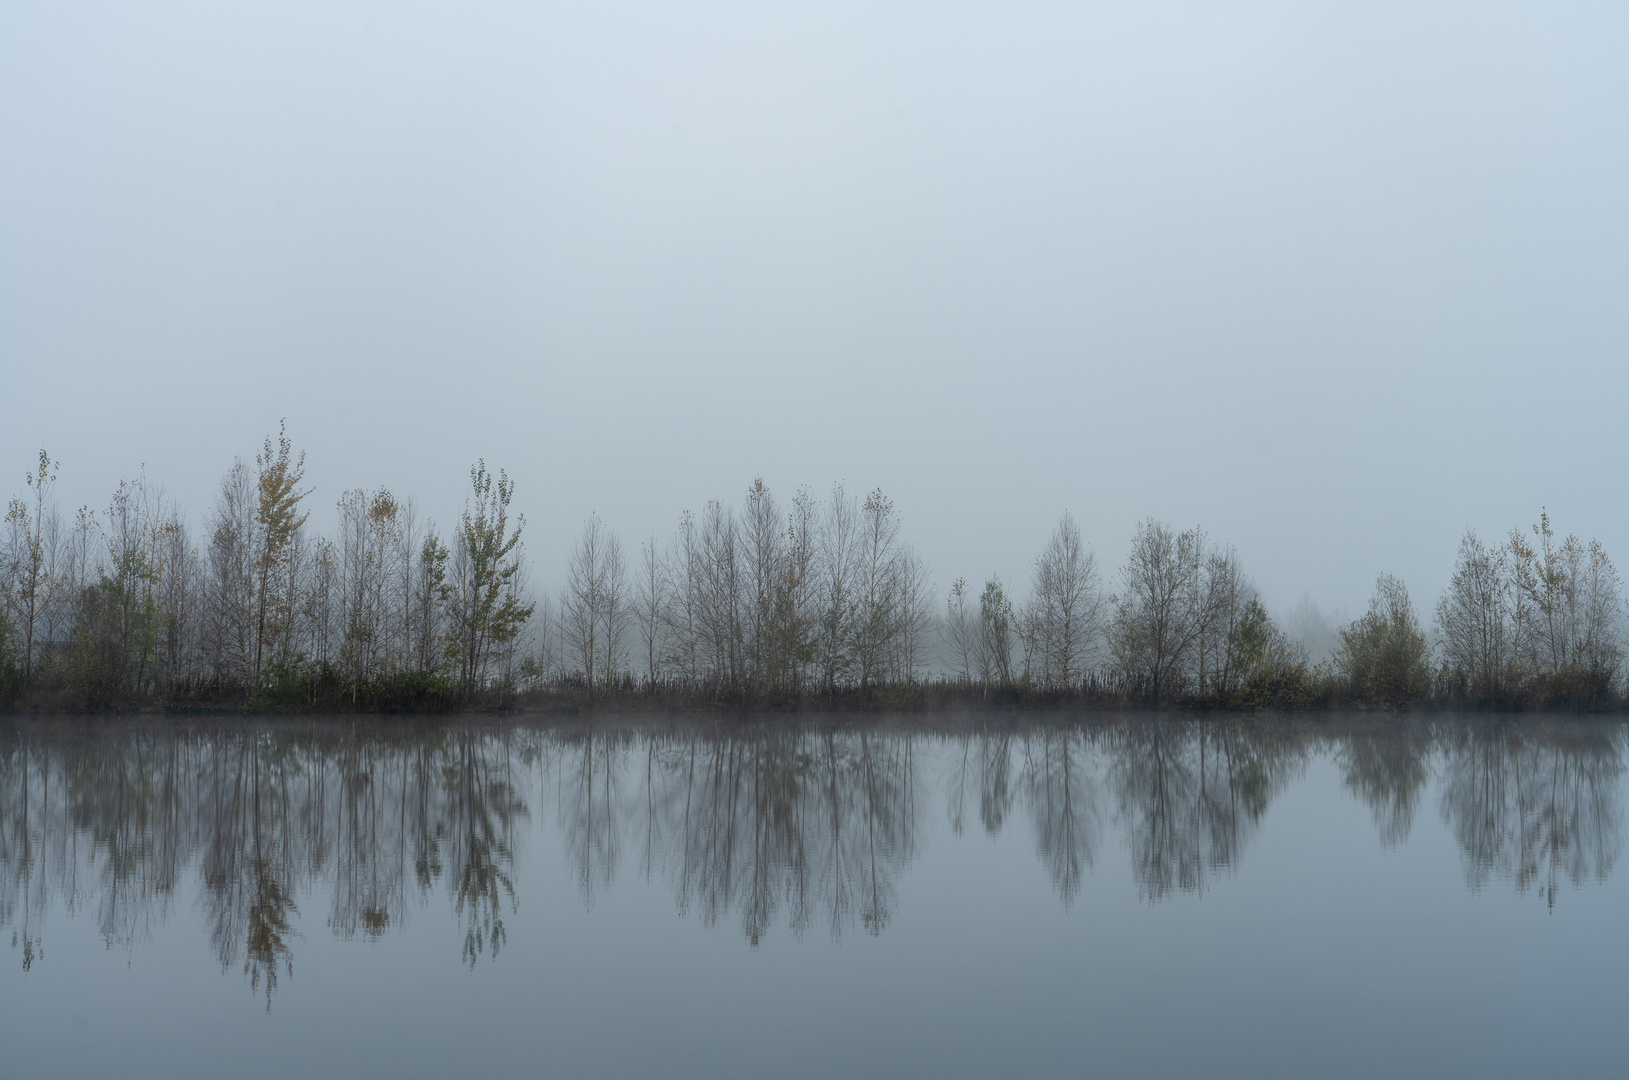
[{"x": 1333, "y": 281}]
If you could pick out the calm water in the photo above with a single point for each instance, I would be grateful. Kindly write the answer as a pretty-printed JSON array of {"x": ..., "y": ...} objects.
[{"x": 971, "y": 897}]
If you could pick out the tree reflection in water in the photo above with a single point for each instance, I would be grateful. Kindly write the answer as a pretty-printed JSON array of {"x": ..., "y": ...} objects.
[
  {"x": 1062, "y": 793},
  {"x": 1534, "y": 803},
  {"x": 1191, "y": 794},
  {"x": 1059, "y": 780},
  {"x": 1386, "y": 765},
  {"x": 266, "y": 815},
  {"x": 759, "y": 821},
  {"x": 762, "y": 824},
  {"x": 590, "y": 768},
  {"x": 252, "y": 850}
]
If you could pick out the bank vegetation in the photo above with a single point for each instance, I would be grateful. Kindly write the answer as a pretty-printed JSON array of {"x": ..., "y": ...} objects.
[{"x": 816, "y": 602}]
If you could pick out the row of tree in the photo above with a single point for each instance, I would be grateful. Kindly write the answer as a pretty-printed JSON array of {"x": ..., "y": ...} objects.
[
  {"x": 821, "y": 599},
  {"x": 1532, "y": 619},
  {"x": 129, "y": 606},
  {"x": 816, "y": 599}
]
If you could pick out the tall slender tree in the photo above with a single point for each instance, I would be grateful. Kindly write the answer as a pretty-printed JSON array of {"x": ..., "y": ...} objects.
[
  {"x": 483, "y": 609},
  {"x": 278, "y": 519},
  {"x": 1066, "y": 602},
  {"x": 29, "y": 586},
  {"x": 1474, "y": 621},
  {"x": 650, "y": 599}
]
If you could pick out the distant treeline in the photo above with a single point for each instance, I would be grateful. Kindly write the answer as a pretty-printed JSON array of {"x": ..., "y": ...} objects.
[{"x": 815, "y": 602}]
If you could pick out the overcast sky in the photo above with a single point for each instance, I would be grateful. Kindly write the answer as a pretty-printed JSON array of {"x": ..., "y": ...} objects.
[{"x": 1335, "y": 281}]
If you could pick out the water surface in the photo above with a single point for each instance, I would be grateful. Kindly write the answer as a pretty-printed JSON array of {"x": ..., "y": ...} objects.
[{"x": 965, "y": 896}]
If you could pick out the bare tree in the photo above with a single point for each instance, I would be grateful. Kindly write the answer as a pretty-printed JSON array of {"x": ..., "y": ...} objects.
[
  {"x": 915, "y": 621},
  {"x": 764, "y": 548},
  {"x": 1225, "y": 595},
  {"x": 1568, "y": 608},
  {"x": 1066, "y": 602},
  {"x": 682, "y": 617},
  {"x": 1318, "y": 633},
  {"x": 960, "y": 633},
  {"x": 1474, "y": 621},
  {"x": 67, "y": 573},
  {"x": 430, "y": 590},
  {"x": 321, "y": 602},
  {"x": 838, "y": 555},
  {"x": 120, "y": 618},
  {"x": 359, "y": 570},
  {"x": 996, "y": 627},
  {"x": 877, "y": 602},
  {"x": 230, "y": 591},
  {"x": 550, "y": 642},
  {"x": 1156, "y": 626},
  {"x": 374, "y": 567},
  {"x": 28, "y": 583},
  {"x": 408, "y": 538},
  {"x": 176, "y": 564},
  {"x": 719, "y": 600},
  {"x": 588, "y": 604},
  {"x": 650, "y": 599},
  {"x": 617, "y": 610},
  {"x": 796, "y": 616}
]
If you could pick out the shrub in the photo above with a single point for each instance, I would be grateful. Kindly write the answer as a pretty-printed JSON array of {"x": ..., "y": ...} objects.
[{"x": 1384, "y": 657}]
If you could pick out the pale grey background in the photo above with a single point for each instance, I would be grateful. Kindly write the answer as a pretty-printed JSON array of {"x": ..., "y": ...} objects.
[{"x": 1334, "y": 280}]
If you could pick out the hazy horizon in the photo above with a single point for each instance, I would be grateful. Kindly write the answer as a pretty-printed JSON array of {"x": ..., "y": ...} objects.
[{"x": 1334, "y": 284}]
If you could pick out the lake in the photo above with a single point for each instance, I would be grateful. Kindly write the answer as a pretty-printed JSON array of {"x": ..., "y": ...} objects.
[{"x": 981, "y": 895}]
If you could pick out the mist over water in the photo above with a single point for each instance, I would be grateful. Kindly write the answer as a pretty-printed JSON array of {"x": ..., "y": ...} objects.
[{"x": 940, "y": 894}]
